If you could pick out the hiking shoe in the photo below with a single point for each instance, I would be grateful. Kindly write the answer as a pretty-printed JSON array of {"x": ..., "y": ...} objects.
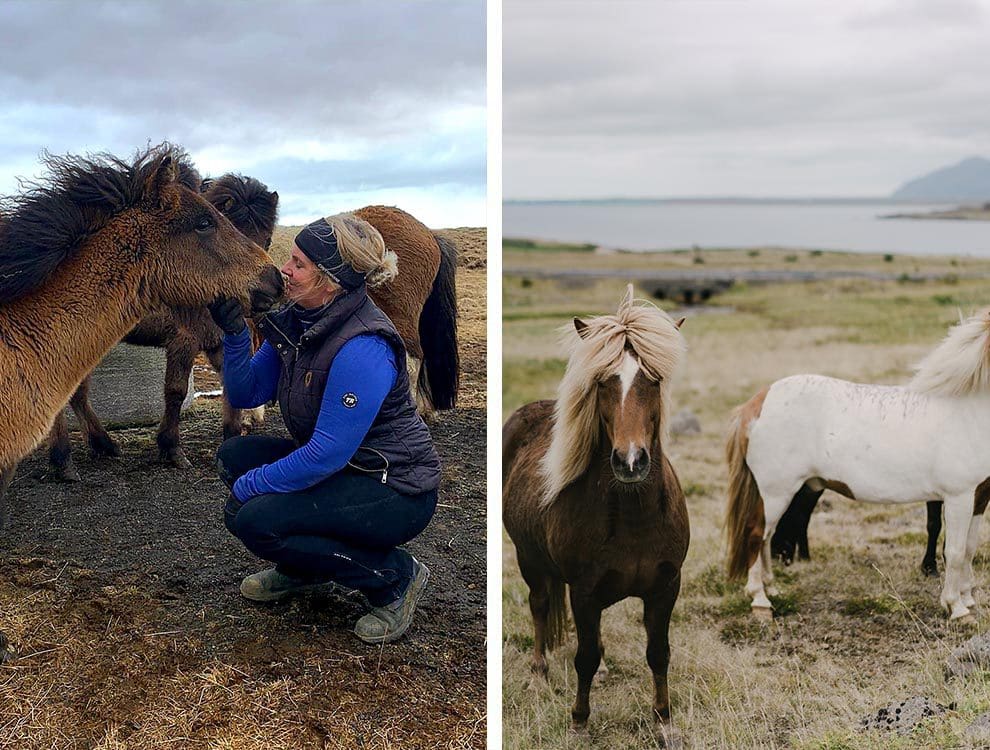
[
  {"x": 389, "y": 622},
  {"x": 270, "y": 585}
]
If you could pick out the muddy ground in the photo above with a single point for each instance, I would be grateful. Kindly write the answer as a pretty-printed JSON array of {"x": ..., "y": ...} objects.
[{"x": 120, "y": 596}]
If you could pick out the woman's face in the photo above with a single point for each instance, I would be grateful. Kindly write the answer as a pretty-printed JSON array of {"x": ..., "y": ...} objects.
[{"x": 302, "y": 281}]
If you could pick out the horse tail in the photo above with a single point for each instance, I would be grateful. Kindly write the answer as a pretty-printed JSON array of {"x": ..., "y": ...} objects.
[
  {"x": 557, "y": 616},
  {"x": 745, "y": 521},
  {"x": 440, "y": 373}
]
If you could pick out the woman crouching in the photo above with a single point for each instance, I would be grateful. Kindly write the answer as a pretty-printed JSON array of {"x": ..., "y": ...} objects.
[{"x": 360, "y": 475}]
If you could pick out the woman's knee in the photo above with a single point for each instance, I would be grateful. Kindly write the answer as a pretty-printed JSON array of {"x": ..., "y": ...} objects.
[{"x": 252, "y": 524}]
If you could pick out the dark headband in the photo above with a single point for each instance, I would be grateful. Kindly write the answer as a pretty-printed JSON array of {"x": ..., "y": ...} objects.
[{"x": 319, "y": 244}]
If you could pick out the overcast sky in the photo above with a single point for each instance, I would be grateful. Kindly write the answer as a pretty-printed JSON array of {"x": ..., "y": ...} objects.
[
  {"x": 739, "y": 97},
  {"x": 334, "y": 104}
]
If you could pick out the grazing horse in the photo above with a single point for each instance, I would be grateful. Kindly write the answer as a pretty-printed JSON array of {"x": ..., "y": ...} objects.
[
  {"x": 872, "y": 443},
  {"x": 183, "y": 332},
  {"x": 590, "y": 500},
  {"x": 88, "y": 253},
  {"x": 421, "y": 301}
]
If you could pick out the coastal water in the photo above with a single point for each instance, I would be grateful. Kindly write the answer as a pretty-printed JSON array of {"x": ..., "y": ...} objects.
[{"x": 664, "y": 225}]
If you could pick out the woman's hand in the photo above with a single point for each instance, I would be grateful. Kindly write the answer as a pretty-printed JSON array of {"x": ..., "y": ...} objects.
[{"x": 228, "y": 314}]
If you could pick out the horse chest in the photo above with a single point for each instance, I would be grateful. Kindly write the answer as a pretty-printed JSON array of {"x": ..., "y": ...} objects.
[{"x": 616, "y": 555}]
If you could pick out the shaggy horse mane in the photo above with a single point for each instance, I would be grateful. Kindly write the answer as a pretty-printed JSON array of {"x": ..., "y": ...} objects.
[
  {"x": 247, "y": 202},
  {"x": 646, "y": 330},
  {"x": 960, "y": 365},
  {"x": 47, "y": 223}
]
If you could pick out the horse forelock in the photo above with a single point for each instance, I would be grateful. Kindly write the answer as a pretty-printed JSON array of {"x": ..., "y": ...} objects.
[
  {"x": 54, "y": 216},
  {"x": 644, "y": 330},
  {"x": 960, "y": 364},
  {"x": 246, "y": 201}
]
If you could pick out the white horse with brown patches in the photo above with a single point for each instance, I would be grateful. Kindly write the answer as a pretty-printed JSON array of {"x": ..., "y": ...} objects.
[{"x": 876, "y": 443}]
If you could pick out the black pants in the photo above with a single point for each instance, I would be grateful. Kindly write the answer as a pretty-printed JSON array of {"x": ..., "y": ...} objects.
[{"x": 345, "y": 529}]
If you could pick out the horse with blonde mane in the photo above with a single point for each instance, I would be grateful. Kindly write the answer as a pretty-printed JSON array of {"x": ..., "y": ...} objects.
[
  {"x": 591, "y": 501},
  {"x": 925, "y": 441}
]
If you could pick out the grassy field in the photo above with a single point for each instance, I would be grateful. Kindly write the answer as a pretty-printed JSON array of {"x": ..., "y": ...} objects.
[{"x": 857, "y": 627}]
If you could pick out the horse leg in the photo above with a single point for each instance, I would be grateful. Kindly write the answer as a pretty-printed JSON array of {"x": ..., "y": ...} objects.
[
  {"x": 929, "y": 566},
  {"x": 587, "y": 622},
  {"x": 179, "y": 355},
  {"x": 100, "y": 442},
  {"x": 968, "y": 581},
  {"x": 60, "y": 451},
  {"x": 958, "y": 517},
  {"x": 656, "y": 617},
  {"x": 423, "y": 404},
  {"x": 761, "y": 570},
  {"x": 807, "y": 500},
  {"x": 539, "y": 607}
]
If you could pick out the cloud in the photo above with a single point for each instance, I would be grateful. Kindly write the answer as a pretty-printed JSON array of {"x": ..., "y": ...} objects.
[
  {"x": 246, "y": 84},
  {"x": 715, "y": 98}
]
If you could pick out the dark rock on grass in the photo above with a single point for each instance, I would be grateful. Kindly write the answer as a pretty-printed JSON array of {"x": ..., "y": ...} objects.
[
  {"x": 902, "y": 717},
  {"x": 973, "y": 655}
]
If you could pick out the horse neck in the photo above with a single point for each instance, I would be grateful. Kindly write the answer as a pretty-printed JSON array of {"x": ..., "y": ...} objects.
[{"x": 59, "y": 332}]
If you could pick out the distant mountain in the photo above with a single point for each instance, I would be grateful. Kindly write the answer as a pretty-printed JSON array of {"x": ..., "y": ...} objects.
[{"x": 967, "y": 181}]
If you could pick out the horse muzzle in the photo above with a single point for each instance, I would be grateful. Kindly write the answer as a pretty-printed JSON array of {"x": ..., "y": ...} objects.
[
  {"x": 268, "y": 291},
  {"x": 632, "y": 466}
]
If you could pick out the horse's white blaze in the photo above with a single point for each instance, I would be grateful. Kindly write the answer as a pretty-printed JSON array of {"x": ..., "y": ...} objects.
[
  {"x": 888, "y": 444},
  {"x": 631, "y": 455},
  {"x": 627, "y": 374}
]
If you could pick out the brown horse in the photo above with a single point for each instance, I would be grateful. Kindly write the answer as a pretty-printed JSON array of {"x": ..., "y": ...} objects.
[
  {"x": 87, "y": 254},
  {"x": 183, "y": 332},
  {"x": 591, "y": 501},
  {"x": 421, "y": 301}
]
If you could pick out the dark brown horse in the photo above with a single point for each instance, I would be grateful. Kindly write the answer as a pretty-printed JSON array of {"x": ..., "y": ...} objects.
[
  {"x": 87, "y": 254},
  {"x": 183, "y": 332},
  {"x": 590, "y": 500}
]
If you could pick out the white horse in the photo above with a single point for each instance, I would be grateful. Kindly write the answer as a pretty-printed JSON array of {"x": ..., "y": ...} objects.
[{"x": 929, "y": 440}]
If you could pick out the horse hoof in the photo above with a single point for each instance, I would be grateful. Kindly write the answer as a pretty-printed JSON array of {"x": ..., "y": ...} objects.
[
  {"x": 178, "y": 459},
  {"x": 67, "y": 473},
  {"x": 104, "y": 446},
  {"x": 670, "y": 737},
  {"x": 965, "y": 621},
  {"x": 540, "y": 670},
  {"x": 579, "y": 732},
  {"x": 601, "y": 675},
  {"x": 763, "y": 614}
]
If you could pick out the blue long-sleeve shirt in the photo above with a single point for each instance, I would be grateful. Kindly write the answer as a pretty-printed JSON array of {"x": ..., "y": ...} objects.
[{"x": 365, "y": 366}]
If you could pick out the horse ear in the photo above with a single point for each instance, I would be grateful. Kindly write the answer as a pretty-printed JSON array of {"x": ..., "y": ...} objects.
[
  {"x": 581, "y": 327},
  {"x": 165, "y": 174},
  {"x": 205, "y": 184},
  {"x": 275, "y": 197},
  {"x": 680, "y": 322}
]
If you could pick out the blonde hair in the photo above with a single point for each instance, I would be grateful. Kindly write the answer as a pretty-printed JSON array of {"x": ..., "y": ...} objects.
[{"x": 362, "y": 246}]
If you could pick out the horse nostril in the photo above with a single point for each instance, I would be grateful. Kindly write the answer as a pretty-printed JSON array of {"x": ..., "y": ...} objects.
[{"x": 642, "y": 461}]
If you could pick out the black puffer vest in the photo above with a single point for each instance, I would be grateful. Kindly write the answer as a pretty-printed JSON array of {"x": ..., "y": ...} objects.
[{"x": 398, "y": 448}]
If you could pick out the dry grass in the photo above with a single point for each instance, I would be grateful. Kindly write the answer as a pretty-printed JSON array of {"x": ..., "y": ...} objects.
[{"x": 860, "y": 627}]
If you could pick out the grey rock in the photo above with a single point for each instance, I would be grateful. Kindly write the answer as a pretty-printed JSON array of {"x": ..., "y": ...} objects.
[
  {"x": 128, "y": 386},
  {"x": 685, "y": 423},
  {"x": 902, "y": 717},
  {"x": 973, "y": 655},
  {"x": 980, "y": 728}
]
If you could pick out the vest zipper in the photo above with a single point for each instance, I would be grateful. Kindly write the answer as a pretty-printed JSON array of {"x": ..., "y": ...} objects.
[{"x": 372, "y": 471}]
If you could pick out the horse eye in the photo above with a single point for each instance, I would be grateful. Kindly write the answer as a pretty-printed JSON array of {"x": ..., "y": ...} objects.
[{"x": 205, "y": 224}]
